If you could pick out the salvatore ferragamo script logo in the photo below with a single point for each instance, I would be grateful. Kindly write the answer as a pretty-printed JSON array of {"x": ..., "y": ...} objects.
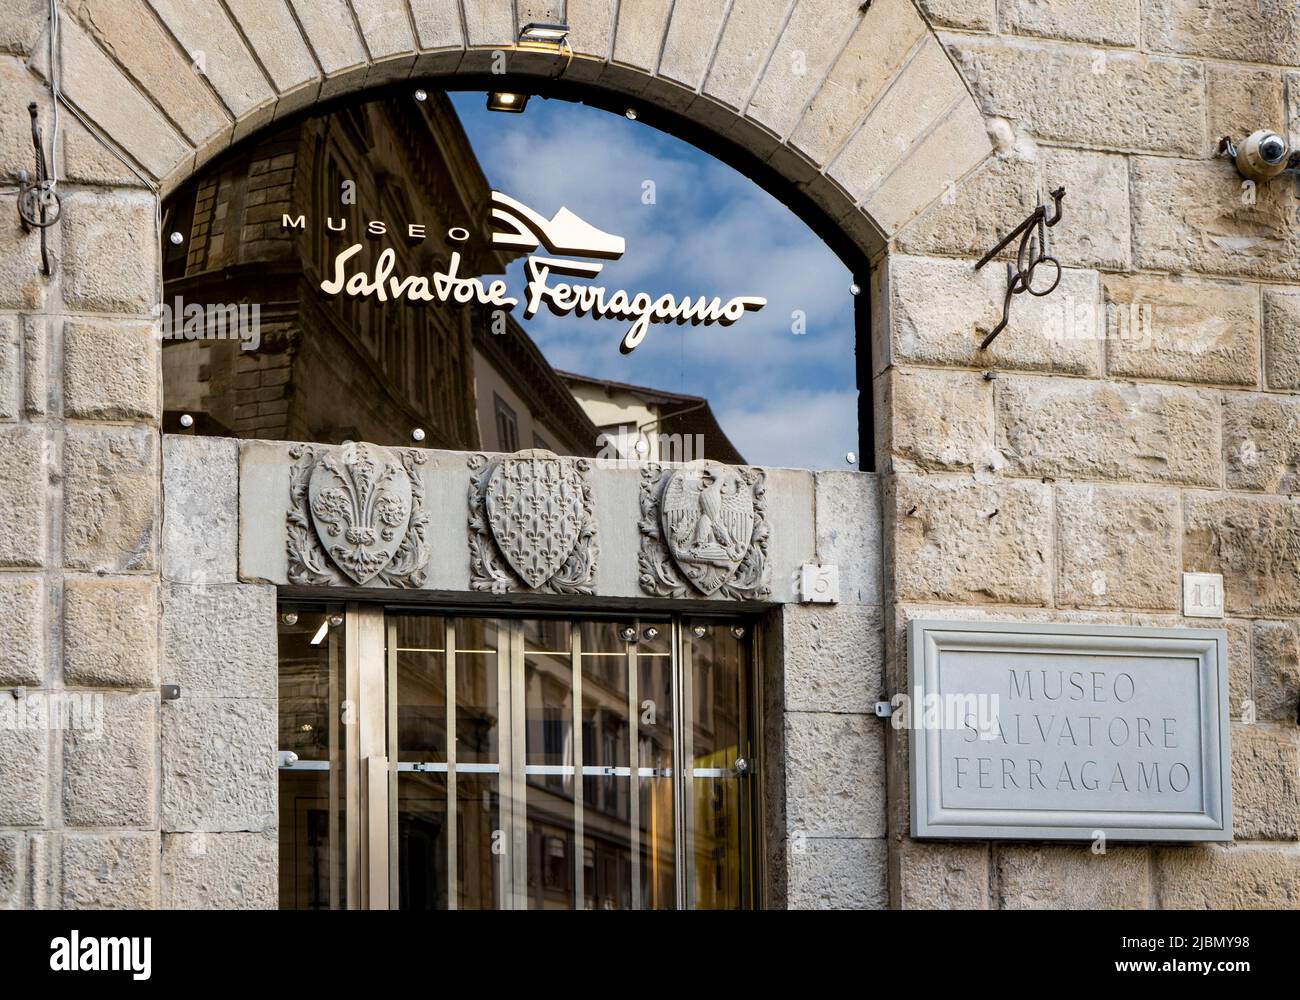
[{"x": 516, "y": 226}]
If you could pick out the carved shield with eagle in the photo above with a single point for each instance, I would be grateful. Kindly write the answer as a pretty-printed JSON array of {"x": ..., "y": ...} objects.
[{"x": 707, "y": 516}]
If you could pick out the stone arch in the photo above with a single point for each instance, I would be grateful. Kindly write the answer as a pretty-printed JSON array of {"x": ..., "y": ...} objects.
[{"x": 857, "y": 106}]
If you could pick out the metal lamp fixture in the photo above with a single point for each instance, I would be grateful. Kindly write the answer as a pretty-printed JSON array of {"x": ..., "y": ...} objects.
[
  {"x": 507, "y": 101},
  {"x": 537, "y": 34}
]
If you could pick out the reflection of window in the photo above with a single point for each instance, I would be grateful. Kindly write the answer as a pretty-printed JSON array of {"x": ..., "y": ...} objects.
[
  {"x": 541, "y": 442},
  {"x": 507, "y": 426}
]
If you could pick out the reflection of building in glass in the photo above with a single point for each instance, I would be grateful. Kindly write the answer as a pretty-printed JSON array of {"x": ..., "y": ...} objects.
[
  {"x": 674, "y": 427},
  {"x": 333, "y": 368}
]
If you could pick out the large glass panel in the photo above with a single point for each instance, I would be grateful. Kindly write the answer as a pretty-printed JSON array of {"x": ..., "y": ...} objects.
[
  {"x": 719, "y": 795},
  {"x": 419, "y": 691},
  {"x": 549, "y": 757},
  {"x": 606, "y": 748},
  {"x": 313, "y": 780},
  {"x": 654, "y": 676},
  {"x": 479, "y": 839}
]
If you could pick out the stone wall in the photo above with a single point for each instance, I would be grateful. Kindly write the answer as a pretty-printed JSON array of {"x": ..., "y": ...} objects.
[
  {"x": 1074, "y": 484},
  {"x": 1135, "y": 424}
]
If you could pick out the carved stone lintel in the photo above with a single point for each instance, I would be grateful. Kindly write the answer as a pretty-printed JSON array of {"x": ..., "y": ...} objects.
[
  {"x": 356, "y": 514},
  {"x": 532, "y": 525},
  {"x": 704, "y": 531}
]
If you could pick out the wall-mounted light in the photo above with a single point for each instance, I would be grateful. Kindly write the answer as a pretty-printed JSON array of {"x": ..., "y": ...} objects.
[
  {"x": 507, "y": 101},
  {"x": 540, "y": 35}
]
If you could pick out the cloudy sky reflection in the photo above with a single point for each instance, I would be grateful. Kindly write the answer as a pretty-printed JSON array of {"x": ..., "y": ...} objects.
[{"x": 693, "y": 226}]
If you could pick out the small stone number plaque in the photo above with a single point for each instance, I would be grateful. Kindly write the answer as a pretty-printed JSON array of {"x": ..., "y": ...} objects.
[
  {"x": 1069, "y": 732},
  {"x": 1203, "y": 595}
]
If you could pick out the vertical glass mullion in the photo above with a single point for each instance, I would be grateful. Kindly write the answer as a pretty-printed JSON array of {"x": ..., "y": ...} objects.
[
  {"x": 518, "y": 757},
  {"x": 453, "y": 836},
  {"x": 680, "y": 857},
  {"x": 506, "y": 756},
  {"x": 338, "y": 870},
  {"x": 579, "y": 851},
  {"x": 352, "y": 755},
  {"x": 634, "y": 773},
  {"x": 390, "y": 632},
  {"x": 687, "y": 727}
]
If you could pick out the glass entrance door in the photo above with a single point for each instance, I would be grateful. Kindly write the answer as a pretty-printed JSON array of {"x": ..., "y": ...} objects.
[{"x": 529, "y": 763}]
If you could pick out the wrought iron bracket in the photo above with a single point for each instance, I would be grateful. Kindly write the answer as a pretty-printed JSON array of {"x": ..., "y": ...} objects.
[
  {"x": 38, "y": 203},
  {"x": 1032, "y": 252}
]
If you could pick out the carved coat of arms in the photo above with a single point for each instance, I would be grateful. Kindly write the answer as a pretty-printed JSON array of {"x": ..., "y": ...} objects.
[
  {"x": 356, "y": 514},
  {"x": 704, "y": 529},
  {"x": 532, "y": 525}
]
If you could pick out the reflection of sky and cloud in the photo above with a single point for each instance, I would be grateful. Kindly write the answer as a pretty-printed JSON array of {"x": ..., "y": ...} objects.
[{"x": 784, "y": 400}]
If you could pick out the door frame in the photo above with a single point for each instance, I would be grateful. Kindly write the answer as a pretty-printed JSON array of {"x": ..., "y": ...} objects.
[{"x": 370, "y": 766}]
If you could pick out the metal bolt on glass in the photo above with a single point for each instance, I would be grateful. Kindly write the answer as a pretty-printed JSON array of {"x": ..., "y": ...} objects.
[
  {"x": 738, "y": 631},
  {"x": 187, "y": 420},
  {"x": 629, "y": 634},
  {"x": 177, "y": 239}
]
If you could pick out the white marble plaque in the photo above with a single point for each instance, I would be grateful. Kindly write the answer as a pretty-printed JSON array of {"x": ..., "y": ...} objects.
[{"x": 1068, "y": 732}]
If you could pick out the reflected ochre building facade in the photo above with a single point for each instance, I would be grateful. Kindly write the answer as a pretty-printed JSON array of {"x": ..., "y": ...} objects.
[{"x": 340, "y": 368}]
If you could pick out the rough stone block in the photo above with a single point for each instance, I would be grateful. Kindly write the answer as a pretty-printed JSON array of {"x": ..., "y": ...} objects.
[
  {"x": 1118, "y": 547},
  {"x": 109, "y": 775},
  {"x": 227, "y": 64},
  {"x": 833, "y": 657},
  {"x": 834, "y": 874},
  {"x": 220, "y": 871},
  {"x": 1243, "y": 99},
  {"x": 1063, "y": 428},
  {"x": 1210, "y": 877},
  {"x": 114, "y": 871},
  {"x": 1282, "y": 338},
  {"x": 975, "y": 15},
  {"x": 1258, "y": 32},
  {"x": 110, "y": 498},
  {"x": 1105, "y": 22},
  {"x": 688, "y": 45},
  {"x": 923, "y": 92},
  {"x": 880, "y": 43},
  {"x": 943, "y": 876},
  {"x": 22, "y": 630},
  {"x": 971, "y": 543},
  {"x": 940, "y": 311},
  {"x": 1260, "y": 443},
  {"x": 835, "y": 775},
  {"x": 23, "y": 488},
  {"x": 639, "y": 36},
  {"x": 35, "y": 388},
  {"x": 104, "y": 95},
  {"x": 1005, "y": 188},
  {"x": 1188, "y": 331},
  {"x": 747, "y": 39},
  {"x": 110, "y": 632},
  {"x": 330, "y": 31},
  {"x": 811, "y": 39},
  {"x": 956, "y": 144},
  {"x": 219, "y": 765},
  {"x": 1196, "y": 215},
  {"x": 1253, "y": 542},
  {"x": 1113, "y": 100},
  {"x": 1265, "y": 782},
  {"x": 24, "y": 760},
  {"x": 220, "y": 641},
  {"x": 1059, "y": 877},
  {"x": 1277, "y": 671},
  {"x": 142, "y": 46},
  {"x": 848, "y": 532},
  {"x": 271, "y": 31},
  {"x": 110, "y": 370},
  {"x": 1096, "y": 233},
  {"x": 200, "y": 510},
  {"x": 110, "y": 251},
  {"x": 11, "y": 871},
  {"x": 938, "y": 420},
  {"x": 11, "y": 368}
]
